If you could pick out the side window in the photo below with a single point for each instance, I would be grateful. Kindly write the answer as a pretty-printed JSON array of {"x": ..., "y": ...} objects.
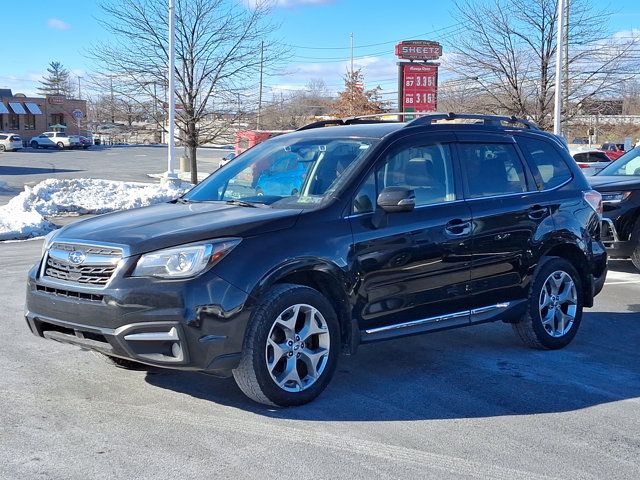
[
  {"x": 426, "y": 169},
  {"x": 492, "y": 169},
  {"x": 548, "y": 167}
]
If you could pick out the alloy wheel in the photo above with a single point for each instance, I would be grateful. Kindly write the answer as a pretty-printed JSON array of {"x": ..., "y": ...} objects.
[
  {"x": 558, "y": 303},
  {"x": 297, "y": 348}
]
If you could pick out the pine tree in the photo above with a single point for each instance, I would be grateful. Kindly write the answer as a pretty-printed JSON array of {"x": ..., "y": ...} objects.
[
  {"x": 355, "y": 100},
  {"x": 57, "y": 81}
]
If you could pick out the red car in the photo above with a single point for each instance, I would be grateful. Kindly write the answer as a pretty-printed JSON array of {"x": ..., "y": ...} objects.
[{"x": 613, "y": 150}]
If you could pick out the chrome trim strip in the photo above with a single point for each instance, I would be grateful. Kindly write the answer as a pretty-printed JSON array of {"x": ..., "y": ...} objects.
[
  {"x": 439, "y": 318},
  {"x": 171, "y": 335},
  {"x": 90, "y": 260},
  {"x": 612, "y": 226},
  {"x": 126, "y": 250}
]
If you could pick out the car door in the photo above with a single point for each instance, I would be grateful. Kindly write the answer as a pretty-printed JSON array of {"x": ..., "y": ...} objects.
[
  {"x": 46, "y": 140},
  {"x": 507, "y": 213},
  {"x": 412, "y": 268}
]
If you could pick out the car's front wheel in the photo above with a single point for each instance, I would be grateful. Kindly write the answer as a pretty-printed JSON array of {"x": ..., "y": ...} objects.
[
  {"x": 34, "y": 144},
  {"x": 291, "y": 347},
  {"x": 555, "y": 306},
  {"x": 2, "y": 148},
  {"x": 60, "y": 145}
]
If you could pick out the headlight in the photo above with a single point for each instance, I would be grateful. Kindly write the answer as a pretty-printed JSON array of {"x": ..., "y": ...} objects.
[
  {"x": 185, "y": 261},
  {"x": 48, "y": 240},
  {"x": 614, "y": 197}
]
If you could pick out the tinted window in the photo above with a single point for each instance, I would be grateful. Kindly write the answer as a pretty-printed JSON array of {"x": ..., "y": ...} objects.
[
  {"x": 3, "y": 137},
  {"x": 590, "y": 157},
  {"x": 548, "y": 167},
  {"x": 492, "y": 169},
  {"x": 426, "y": 169}
]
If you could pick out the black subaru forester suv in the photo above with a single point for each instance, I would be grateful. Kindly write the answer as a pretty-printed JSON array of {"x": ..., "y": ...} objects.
[{"x": 342, "y": 233}]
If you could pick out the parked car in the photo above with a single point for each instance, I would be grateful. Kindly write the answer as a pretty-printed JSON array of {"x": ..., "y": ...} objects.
[
  {"x": 397, "y": 229},
  {"x": 10, "y": 142},
  {"x": 613, "y": 150},
  {"x": 85, "y": 141},
  {"x": 619, "y": 184},
  {"x": 54, "y": 140},
  {"x": 590, "y": 161}
]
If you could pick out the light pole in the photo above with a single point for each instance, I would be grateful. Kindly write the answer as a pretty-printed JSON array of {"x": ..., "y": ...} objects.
[
  {"x": 557, "y": 105},
  {"x": 170, "y": 174}
]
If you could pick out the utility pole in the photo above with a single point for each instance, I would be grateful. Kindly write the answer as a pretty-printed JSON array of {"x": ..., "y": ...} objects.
[
  {"x": 557, "y": 105},
  {"x": 566, "y": 67},
  {"x": 171, "y": 142},
  {"x": 113, "y": 113},
  {"x": 351, "y": 78},
  {"x": 260, "y": 92}
]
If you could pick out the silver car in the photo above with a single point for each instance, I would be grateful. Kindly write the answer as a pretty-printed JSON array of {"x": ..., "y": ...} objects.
[{"x": 10, "y": 142}]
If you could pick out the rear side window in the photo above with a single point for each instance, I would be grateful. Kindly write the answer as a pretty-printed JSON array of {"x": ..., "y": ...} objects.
[
  {"x": 3, "y": 137},
  {"x": 548, "y": 168},
  {"x": 590, "y": 157},
  {"x": 492, "y": 169}
]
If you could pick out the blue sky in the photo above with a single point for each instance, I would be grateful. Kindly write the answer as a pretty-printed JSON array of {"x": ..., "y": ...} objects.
[{"x": 59, "y": 30}]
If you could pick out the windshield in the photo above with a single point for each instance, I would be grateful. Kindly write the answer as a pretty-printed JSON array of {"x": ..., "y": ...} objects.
[
  {"x": 627, "y": 165},
  {"x": 285, "y": 172}
]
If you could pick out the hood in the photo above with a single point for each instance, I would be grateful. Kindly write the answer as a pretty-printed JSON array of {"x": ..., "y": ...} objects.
[
  {"x": 169, "y": 224},
  {"x": 609, "y": 184}
]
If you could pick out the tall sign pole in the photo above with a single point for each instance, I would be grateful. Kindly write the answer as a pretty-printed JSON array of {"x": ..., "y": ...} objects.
[
  {"x": 558, "y": 90},
  {"x": 170, "y": 174}
]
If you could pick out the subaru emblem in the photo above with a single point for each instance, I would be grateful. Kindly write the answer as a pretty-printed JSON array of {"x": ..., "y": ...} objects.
[{"x": 76, "y": 257}]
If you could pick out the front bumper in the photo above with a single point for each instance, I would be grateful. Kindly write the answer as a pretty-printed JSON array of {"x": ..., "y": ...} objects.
[
  {"x": 197, "y": 324},
  {"x": 616, "y": 248}
]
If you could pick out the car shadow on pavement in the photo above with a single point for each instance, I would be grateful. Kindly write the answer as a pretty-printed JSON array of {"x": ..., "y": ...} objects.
[
  {"x": 11, "y": 170},
  {"x": 480, "y": 371}
]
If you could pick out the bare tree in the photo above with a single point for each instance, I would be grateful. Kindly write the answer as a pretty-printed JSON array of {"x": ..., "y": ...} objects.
[
  {"x": 217, "y": 55},
  {"x": 295, "y": 109},
  {"x": 355, "y": 100},
  {"x": 508, "y": 53}
]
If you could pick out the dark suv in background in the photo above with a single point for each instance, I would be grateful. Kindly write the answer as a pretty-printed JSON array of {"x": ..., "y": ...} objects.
[{"x": 343, "y": 233}]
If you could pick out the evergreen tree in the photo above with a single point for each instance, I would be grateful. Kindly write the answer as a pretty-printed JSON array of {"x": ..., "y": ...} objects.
[
  {"x": 57, "y": 81},
  {"x": 355, "y": 100}
]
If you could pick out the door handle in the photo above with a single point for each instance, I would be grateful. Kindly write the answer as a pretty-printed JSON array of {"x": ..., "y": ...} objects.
[
  {"x": 458, "y": 227},
  {"x": 537, "y": 212}
]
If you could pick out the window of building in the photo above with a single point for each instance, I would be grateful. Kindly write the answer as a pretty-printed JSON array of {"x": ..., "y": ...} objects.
[
  {"x": 492, "y": 169},
  {"x": 29, "y": 121},
  {"x": 57, "y": 118},
  {"x": 549, "y": 169},
  {"x": 14, "y": 121}
]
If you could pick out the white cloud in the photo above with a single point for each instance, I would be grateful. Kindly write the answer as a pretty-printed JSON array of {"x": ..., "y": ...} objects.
[
  {"x": 58, "y": 24},
  {"x": 286, "y": 3}
]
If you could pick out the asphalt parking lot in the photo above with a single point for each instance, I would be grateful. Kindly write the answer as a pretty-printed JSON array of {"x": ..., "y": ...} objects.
[
  {"x": 468, "y": 403},
  {"x": 128, "y": 163}
]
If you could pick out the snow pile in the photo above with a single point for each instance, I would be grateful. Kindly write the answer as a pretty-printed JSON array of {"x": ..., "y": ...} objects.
[{"x": 24, "y": 215}]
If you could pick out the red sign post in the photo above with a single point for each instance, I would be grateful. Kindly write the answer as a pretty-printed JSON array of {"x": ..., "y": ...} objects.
[
  {"x": 419, "y": 87},
  {"x": 418, "y": 75}
]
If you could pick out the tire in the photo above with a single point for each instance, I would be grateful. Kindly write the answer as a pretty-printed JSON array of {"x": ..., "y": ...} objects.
[
  {"x": 545, "y": 327},
  {"x": 635, "y": 258},
  {"x": 121, "y": 362},
  {"x": 60, "y": 145},
  {"x": 35, "y": 145},
  {"x": 3, "y": 148},
  {"x": 271, "y": 349}
]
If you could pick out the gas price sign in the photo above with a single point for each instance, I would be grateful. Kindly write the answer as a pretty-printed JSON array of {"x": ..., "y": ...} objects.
[{"x": 419, "y": 86}]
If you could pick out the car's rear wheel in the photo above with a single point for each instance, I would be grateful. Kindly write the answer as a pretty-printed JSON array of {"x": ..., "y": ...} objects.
[
  {"x": 555, "y": 306},
  {"x": 290, "y": 348},
  {"x": 34, "y": 144}
]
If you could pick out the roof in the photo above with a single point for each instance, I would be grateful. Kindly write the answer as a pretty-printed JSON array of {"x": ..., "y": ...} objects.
[{"x": 368, "y": 130}]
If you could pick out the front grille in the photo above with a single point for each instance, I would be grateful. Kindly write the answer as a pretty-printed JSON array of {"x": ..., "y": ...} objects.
[
  {"x": 94, "y": 265},
  {"x": 93, "y": 297}
]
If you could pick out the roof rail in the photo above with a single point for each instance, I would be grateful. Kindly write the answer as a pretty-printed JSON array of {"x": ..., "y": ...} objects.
[
  {"x": 362, "y": 119},
  {"x": 492, "y": 120}
]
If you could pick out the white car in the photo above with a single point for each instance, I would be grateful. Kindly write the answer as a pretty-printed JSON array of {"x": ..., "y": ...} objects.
[
  {"x": 10, "y": 142},
  {"x": 590, "y": 160},
  {"x": 54, "y": 140}
]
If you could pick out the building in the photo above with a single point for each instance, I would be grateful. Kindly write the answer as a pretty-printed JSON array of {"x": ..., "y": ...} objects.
[{"x": 30, "y": 116}]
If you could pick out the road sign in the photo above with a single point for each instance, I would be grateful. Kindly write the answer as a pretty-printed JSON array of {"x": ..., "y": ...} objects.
[{"x": 78, "y": 114}]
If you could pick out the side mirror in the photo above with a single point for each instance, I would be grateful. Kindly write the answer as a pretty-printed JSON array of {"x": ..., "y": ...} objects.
[{"x": 397, "y": 199}]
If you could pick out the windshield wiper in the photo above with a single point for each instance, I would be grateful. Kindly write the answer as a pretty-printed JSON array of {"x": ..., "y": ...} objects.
[
  {"x": 242, "y": 203},
  {"x": 183, "y": 200}
]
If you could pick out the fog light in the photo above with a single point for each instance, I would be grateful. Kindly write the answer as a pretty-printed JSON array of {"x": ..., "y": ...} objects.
[{"x": 176, "y": 351}]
